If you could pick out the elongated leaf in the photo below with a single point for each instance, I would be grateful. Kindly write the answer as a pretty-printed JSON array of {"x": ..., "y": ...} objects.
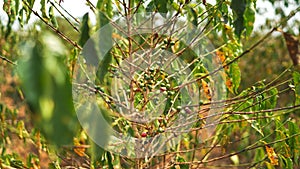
[
  {"x": 292, "y": 46},
  {"x": 235, "y": 76},
  {"x": 43, "y": 9},
  {"x": 238, "y": 6},
  {"x": 21, "y": 17},
  {"x": 105, "y": 43},
  {"x": 28, "y": 11},
  {"x": 272, "y": 155},
  {"x": 47, "y": 89},
  {"x": 296, "y": 81},
  {"x": 193, "y": 17},
  {"x": 249, "y": 17},
  {"x": 294, "y": 142},
  {"x": 52, "y": 17},
  {"x": 10, "y": 8},
  {"x": 85, "y": 30},
  {"x": 106, "y": 7}
]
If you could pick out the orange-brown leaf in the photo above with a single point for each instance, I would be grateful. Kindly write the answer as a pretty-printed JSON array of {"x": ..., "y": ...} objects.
[
  {"x": 292, "y": 46},
  {"x": 221, "y": 56},
  {"x": 78, "y": 148},
  {"x": 272, "y": 155},
  {"x": 229, "y": 83},
  {"x": 206, "y": 89}
]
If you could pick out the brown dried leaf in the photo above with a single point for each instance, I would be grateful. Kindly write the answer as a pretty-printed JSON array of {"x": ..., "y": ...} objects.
[
  {"x": 292, "y": 46},
  {"x": 206, "y": 89},
  {"x": 272, "y": 155}
]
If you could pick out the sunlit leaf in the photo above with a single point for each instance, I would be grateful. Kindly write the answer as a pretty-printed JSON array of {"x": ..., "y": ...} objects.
[
  {"x": 53, "y": 17},
  {"x": 43, "y": 9}
]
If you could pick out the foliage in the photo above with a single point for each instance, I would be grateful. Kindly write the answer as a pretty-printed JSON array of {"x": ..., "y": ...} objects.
[{"x": 256, "y": 124}]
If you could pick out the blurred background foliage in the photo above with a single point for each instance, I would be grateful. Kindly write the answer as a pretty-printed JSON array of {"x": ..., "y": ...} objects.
[{"x": 52, "y": 43}]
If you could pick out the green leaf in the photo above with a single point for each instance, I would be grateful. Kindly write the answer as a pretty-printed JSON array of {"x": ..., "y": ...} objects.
[
  {"x": 96, "y": 152},
  {"x": 106, "y": 7},
  {"x": 47, "y": 88},
  {"x": 238, "y": 6},
  {"x": 193, "y": 16},
  {"x": 259, "y": 154},
  {"x": 43, "y": 9},
  {"x": 21, "y": 17},
  {"x": 294, "y": 142},
  {"x": 254, "y": 124},
  {"x": 150, "y": 7},
  {"x": 296, "y": 80},
  {"x": 249, "y": 17},
  {"x": 52, "y": 17},
  {"x": 272, "y": 101},
  {"x": 85, "y": 30},
  {"x": 28, "y": 11},
  {"x": 10, "y": 8},
  {"x": 161, "y": 6},
  {"x": 105, "y": 43},
  {"x": 182, "y": 166},
  {"x": 235, "y": 75},
  {"x": 109, "y": 160}
]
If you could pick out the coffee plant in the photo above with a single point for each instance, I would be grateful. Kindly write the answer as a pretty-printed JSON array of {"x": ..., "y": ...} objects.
[{"x": 149, "y": 84}]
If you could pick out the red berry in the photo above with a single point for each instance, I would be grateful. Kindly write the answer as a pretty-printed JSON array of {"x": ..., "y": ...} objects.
[{"x": 144, "y": 134}]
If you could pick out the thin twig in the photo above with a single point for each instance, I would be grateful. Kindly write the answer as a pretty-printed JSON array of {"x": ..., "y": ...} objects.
[
  {"x": 58, "y": 32},
  {"x": 7, "y": 60}
]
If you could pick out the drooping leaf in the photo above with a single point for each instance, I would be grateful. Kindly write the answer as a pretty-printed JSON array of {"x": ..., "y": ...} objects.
[
  {"x": 161, "y": 6},
  {"x": 239, "y": 7},
  {"x": 272, "y": 155},
  {"x": 53, "y": 17},
  {"x": 109, "y": 160},
  {"x": 181, "y": 159},
  {"x": 10, "y": 8},
  {"x": 254, "y": 124},
  {"x": 292, "y": 46},
  {"x": 150, "y": 7},
  {"x": 249, "y": 17},
  {"x": 234, "y": 75},
  {"x": 85, "y": 30},
  {"x": 296, "y": 81},
  {"x": 294, "y": 142},
  {"x": 106, "y": 7},
  {"x": 47, "y": 88},
  {"x": 78, "y": 149},
  {"x": 272, "y": 101},
  {"x": 28, "y": 11},
  {"x": 206, "y": 90},
  {"x": 43, "y": 9},
  {"x": 192, "y": 15},
  {"x": 105, "y": 44},
  {"x": 21, "y": 17}
]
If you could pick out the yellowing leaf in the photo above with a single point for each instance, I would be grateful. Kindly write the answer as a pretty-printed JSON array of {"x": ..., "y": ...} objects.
[
  {"x": 272, "y": 155},
  {"x": 229, "y": 84},
  {"x": 79, "y": 149},
  {"x": 221, "y": 56},
  {"x": 206, "y": 89}
]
